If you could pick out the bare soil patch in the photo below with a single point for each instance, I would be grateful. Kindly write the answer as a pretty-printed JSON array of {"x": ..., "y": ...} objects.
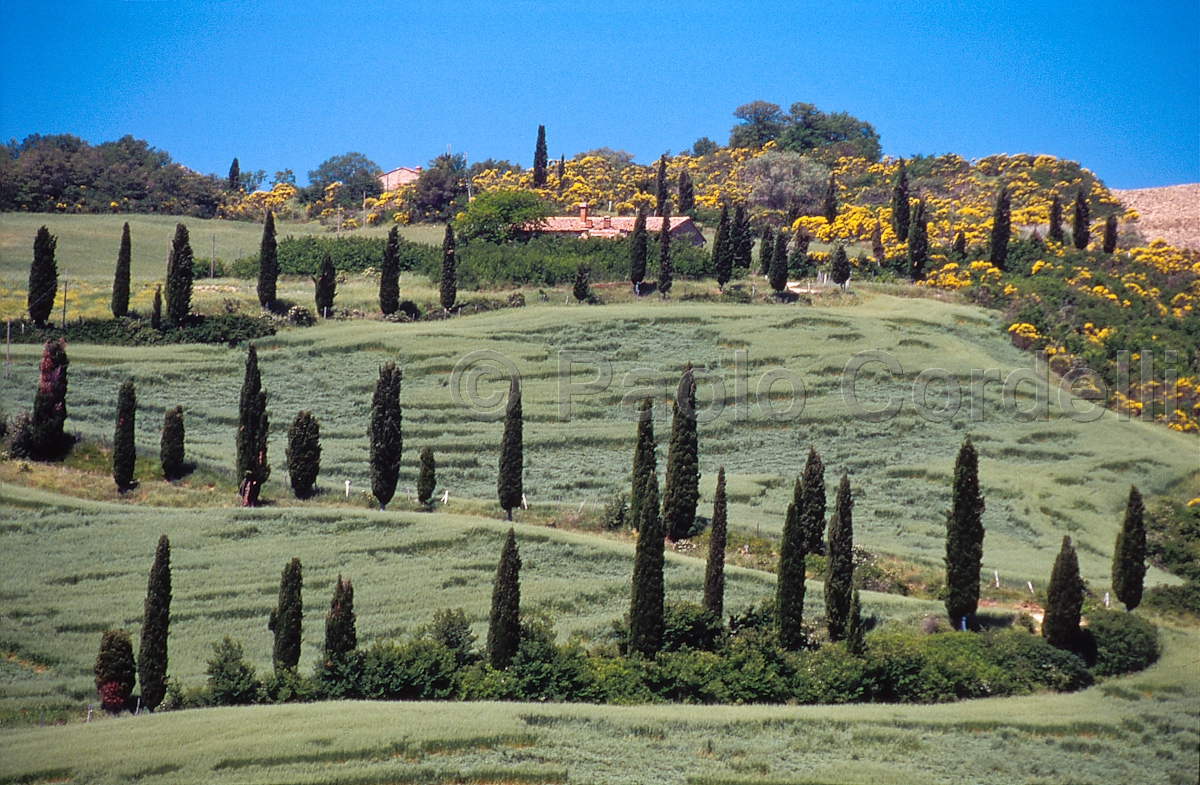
[{"x": 1171, "y": 213}]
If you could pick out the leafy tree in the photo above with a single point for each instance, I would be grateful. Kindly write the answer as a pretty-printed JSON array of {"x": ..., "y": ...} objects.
[
  {"x": 502, "y": 216},
  {"x": 798, "y": 259},
  {"x": 829, "y": 207},
  {"x": 828, "y": 136},
  {"x": 341, "y": 637},
  {"x": 789, "y": 585},
  {"x": 1001, "y": 229},
  {"x": 248, "y": 182},
  {"x": 231, "y": 680},
  {"x": 900, "y": 206},
  {"x": 389, "y": 274},
  {"x": 115, "y": 670},
  {"x": 156, "y": 622},
  {"x": 387, "y": 441},
  {"x": 854, "y": 626},
  {"x": 509, "y": 480},
  {"x": 268, "y": 263},
  {"x": 43, "y": 277},
  {"x": 1064, "y": 599},
  {"x": 760, "y": 123},
  {"x": 47, "y": 440},
  {"x": 742, "y": 237},
  {"x": 124, "y": 449},
  {"x": 959, "y": 249},
  {"x": 284, "y": 176},
  {"x": 1081, "y": 229},
  {"x": 714, "y": 571},
  {"x": 440, "y": 191},
  {"x": 645, "y": 461},
  {"x": 179, "y": 277},
  {"x": 540, "y": 159},
  {"x": 812, "y": 503},
  {"x": 681, "y": 490},
  {"x": 120, "y": 291},
  {"x": 839, "y": 267},
  {"x": 325, "y": 286},
  {"x": 235, "y": 176},
  {"x": 580, "y": 290},
  {"x": 287, "y": 618},
  {"x": 1110, "y": 234},
  {"x": 637, "y": 252},
  {"x": 964, "y": 537},
  {"x": 704, "y": 146},
  {"x": 839, "y": 574},
  {"x": 426, "y": 477},
  {"x": 253, "y": 469},
  {"x": 156, "y": 309},
  {"x": 1055, "y": 232},
  {"x": 687, "y": 192},
  {"x": 665, "y": 271},
  {"x": 766, "y": 250},
  {"x": 787, "y": 182},
  {"x": 304, "y": 453},
  {"x": 449, "y": 291},
  {"x": 504, "y": 622},
  {"x": 918, "y": 242},
  {"x": 778, "y": 271},
  {"x": 646, "y": 603},
  {"x": 170, "y": 453},
  {"x": 1129, "y": 553},
  {"x": 721, "y": 252},
  {"x": 357, "y": 174}
]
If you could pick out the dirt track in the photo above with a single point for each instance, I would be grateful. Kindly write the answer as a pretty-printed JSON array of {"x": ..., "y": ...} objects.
[{"x": 1171, "y": 213}]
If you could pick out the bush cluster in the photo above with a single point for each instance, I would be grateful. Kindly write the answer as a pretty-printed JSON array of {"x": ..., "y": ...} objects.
[{"x": 227, "y": 328}]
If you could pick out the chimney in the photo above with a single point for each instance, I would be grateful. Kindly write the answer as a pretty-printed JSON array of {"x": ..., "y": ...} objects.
[
  {"x": 583, "y": 215},
  {"x": 606, "y": 223}
]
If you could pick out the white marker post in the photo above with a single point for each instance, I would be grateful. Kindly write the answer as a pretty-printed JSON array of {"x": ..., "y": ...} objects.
[{"x": 347, "y": 489}]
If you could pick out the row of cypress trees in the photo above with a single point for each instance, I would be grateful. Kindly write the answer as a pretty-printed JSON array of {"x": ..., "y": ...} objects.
[{"x": 171, "y": 444}]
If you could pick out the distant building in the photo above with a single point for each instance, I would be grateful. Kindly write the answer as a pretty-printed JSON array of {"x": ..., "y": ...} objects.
[
  {"x": 583, "y": 226},
  {"x": 399, "y": 177}
]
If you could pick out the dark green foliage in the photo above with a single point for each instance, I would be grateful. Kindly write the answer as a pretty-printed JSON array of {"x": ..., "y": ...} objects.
[
  {"x": 661, "y": 192},
  {"x": 691, "y": 627},
  {"x": 389, "y": 274},
  {"x": 646, "y": 602},
  {"x": 1064, "y": 600},
  {"x": 426, "y": 477},
  {"x": 449, "y": 286},
  {"x": 781, "y": 249},
  {"x": 766, "y": 250},
  {"x": 156, "y": 309},
  {"x": 115, "y": 666},
  {"x": 46, "y": 438},
  {"x": 665, "y": 271},
  {"x": 615, "y": 515},
  {"x": 645, "y": 461},
  {"x": 354, "y": 254},
  {"x": 714, "y": 571},
  {"x": 268, "y": 263},
  {"x": 839, "y": 266},
  {"x": 798, "y": 259},
  {"x": 829, "y": 206},
  {"x": 509, "y": 487},
  {"x": 156, "y": 620},
  {"x": 43, "y": 277},
  {"x": 777, "y": 273},
  {"x": 562, "y": 173},
  {"x": 226, "y": 328},
  {"x": 502, "y": 216},
  {"x": 235, "y": 176},
  {"x": 304, "y": 453},
  {"x": 681, "y": 490},
  {"x": 918, "y": 242},
  {"x": 1055, "y": 232},
  {"x": 451, "y": 629},
  {"x": 900, "y": 207},
  {"x": 504, "y": 622},
  {"x": 387, "y": 440},
  {"x": 1129, "y": 553},
  {"x": 120, "y": 290},
  {"x": 231, "y": 680},
  {"x": 341, "y": 637},
  {"x": 1123, "y": 642},
  {"x": 687, "y": 192},
  {"x": 179, "y": 278},
  {"x": 124, "y": 450},
  {"x": 357, "y": 175},
  {"x": 964, "y": 537},
  {"x": 722, "y": 252},
  {"x": 1110, "y": 234},
  {"x": 171, "y": 447},
  {"x": 742, "y": 237},
  {"x": 253, "y": 469},
  {"x": 540, "y": 160},
  {"x": 839, "y": 571},
  {"x": 637, "y": 252},
  {"x": 959, "y": 249},
  {"x": 804, "y": 129},
  {"x": 325, "y": 287},
  {"x": 421, "y": 669},
  {"x": 812, "y": 503},
  {"x": 1081, "y": 229},
  {"x": 789, "y": 585},
  {"x": 854, "y": 626},
  {"x": 1173, "y": 541},
  {"x": 580, "y": 289},
  {"x": 1001, "y": 229},
  {"x": 287, "y": 618}
]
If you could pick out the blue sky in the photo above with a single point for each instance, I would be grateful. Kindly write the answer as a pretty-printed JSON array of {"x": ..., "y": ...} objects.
[{"x": 1115, "y": 86}]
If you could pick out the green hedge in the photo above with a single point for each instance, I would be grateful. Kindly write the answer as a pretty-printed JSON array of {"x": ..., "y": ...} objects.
[{"x": 229, "y": 329}]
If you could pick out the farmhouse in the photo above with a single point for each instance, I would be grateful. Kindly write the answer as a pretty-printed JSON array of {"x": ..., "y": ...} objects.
[
  {"x": 399, "y": 177},
  {"x": 584, "y": 226}
]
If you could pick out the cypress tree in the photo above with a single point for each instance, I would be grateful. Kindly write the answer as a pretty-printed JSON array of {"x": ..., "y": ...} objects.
[
  {"x": 325, "y": 286},
  {"x": 714, "y": 570},
  {"x": 964, "y": 537},
  {"x": 304, "y": 453},
  {"x": 661, "y": 193},
  {"x": 646, "y": 603},
  {"x": 665, "y": 270},
  {"x": 918, "y": 242},
  {"x": 959, "y": 249},
  {"x": 777, "y": 272},
  {"x": 681, "y": 490},
  {"x": 235, "y": 176},
  {"x": 562, "y": 173},
  {"x": 1110, "y": 234},
  {"x": 253, "y": 428},
  {"x": 1064, "y": 599},
  {"x": 721, "y": 256},
  {"x": 829, "y": 207},
  {"x": 156, "y": 309},
  {"x": 839, "y": 575},
  {"x": 509, "y": 487},
  {"x": 43, "y": 277},
  {"x": 1001, "y": 229},
  {"x": 854, "y": 626},
  {"x": 387, "y": 441},
  {"x": 812, "y": 503},
  {"x": 50, "y": 403},
  {"x": 798, "y": 260},
  {"x": 645, "y": 460},
  {"x": 540, "y": 160},
  {"x": 449, "y": 290},
  {"x": 268, "y": 263},
  {"x": 179, "y": 278},
  {"x": 1055, "y": 232},
  {"x": 1081, "y": 230},
  {"x": 504, "y": 622},
  {"x": 1129, "y": 553},
  {"x": 781, "y": 250},
  {"x": 839, "y": 267},
  {"x": 389, "y": 274},
  {"x": 170, "y": 452},
  {"x": 637, "y": 252},
  {"x": 743, "y": 237},
  {"x": 156, "y": 621},
  {"x": 124, "y": 449},
  {"x": 580, "y": 289},
  {"x": 789, "y": 585},
  {"x": 115, "y": 670},
  {"x": 687, "y": 192},
  {"x": 286, "y": 620},
  {"x": 900, "y": 208},
  {"x": 341, "y": 635},
  {"x": 426, "y": 477},
  {"x": 120, "y": 290},
  {"x": 766, "y": 251}
]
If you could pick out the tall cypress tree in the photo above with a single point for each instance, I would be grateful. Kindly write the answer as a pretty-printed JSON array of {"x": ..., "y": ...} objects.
[
  {"x": 645, "y": 460},
  {"x": 115, "y": 670},
  {"x": 449, "y": 289},
  {"x": 777, "y": 273},
  {"x": 839, "y": 574},
  {"x": 964, "y": 537},
  {"x": 156, "y": 309},
  {"x": 918, "y": 242},
  {"x": 743, "y": 237},
  {"x": 170, "y": 452},
  {"x": 179, "y": 277},
  {"x": 1081, "y": 229},
  {"x": 646, "y": 603},
  {"x": 1055, "y": 232},
  {"x": 540, "y": 160},
  {"x": 341, "y": 634},
  {"x": 325, "y": 286},
  {"x": 900, "y": 209},
  {"x": 829, "y": 207},
  {"x": 766, "y": 250},
  {"x": 253, "y": 468},
  {"x": 1129, "y": 553},
  {"x": 43, "y": 277},
  {"x": 235, "y": 176},
  {"x": 287, "y": 618},
  {"x": 304, "y": 453},
  {"x": 665, "y": 270},
  {"x": 854, "y": 626},
  {"x": 780, "y": 253},
  {"x": 798, "y": 259},
  {"x": 426, "y": 477},
  {"x": 714, "y": 571},
  {"x": 387, "y": 441},
  {"x": 509, "y": 487},
  {"x": 581, "y": 289},
  {"x": 562, "y": 173},
  {"x": 687, "y": 192},
  {"x": 812, "y": 503},
  {"x": 681, "y": 490},
  {"x": 49, "y": 415},
  {"x": 661, "y": 193},
  {"x": 156, "y": 621},
  {"x": 839, "y": 266},
  {"x": 1001, "y": 229},
  {"x": 389, "y": 274},
  {"x": 1064, "y": 599},
  {"x": 120, "y": 290},
  {"x": 1110, "y": 234},
  {"x": 268, "y": 263},
  {"x": 504, "y": 622},
  {"x": 124, "y": 449},
  {"x": 721, "y": 256},
  {"x": 637, "y": 252},
  {"x": 789, "y": 584}
]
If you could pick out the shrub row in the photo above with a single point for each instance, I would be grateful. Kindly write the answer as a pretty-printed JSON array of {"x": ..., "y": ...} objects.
[{"x": 226, "y": 328}]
